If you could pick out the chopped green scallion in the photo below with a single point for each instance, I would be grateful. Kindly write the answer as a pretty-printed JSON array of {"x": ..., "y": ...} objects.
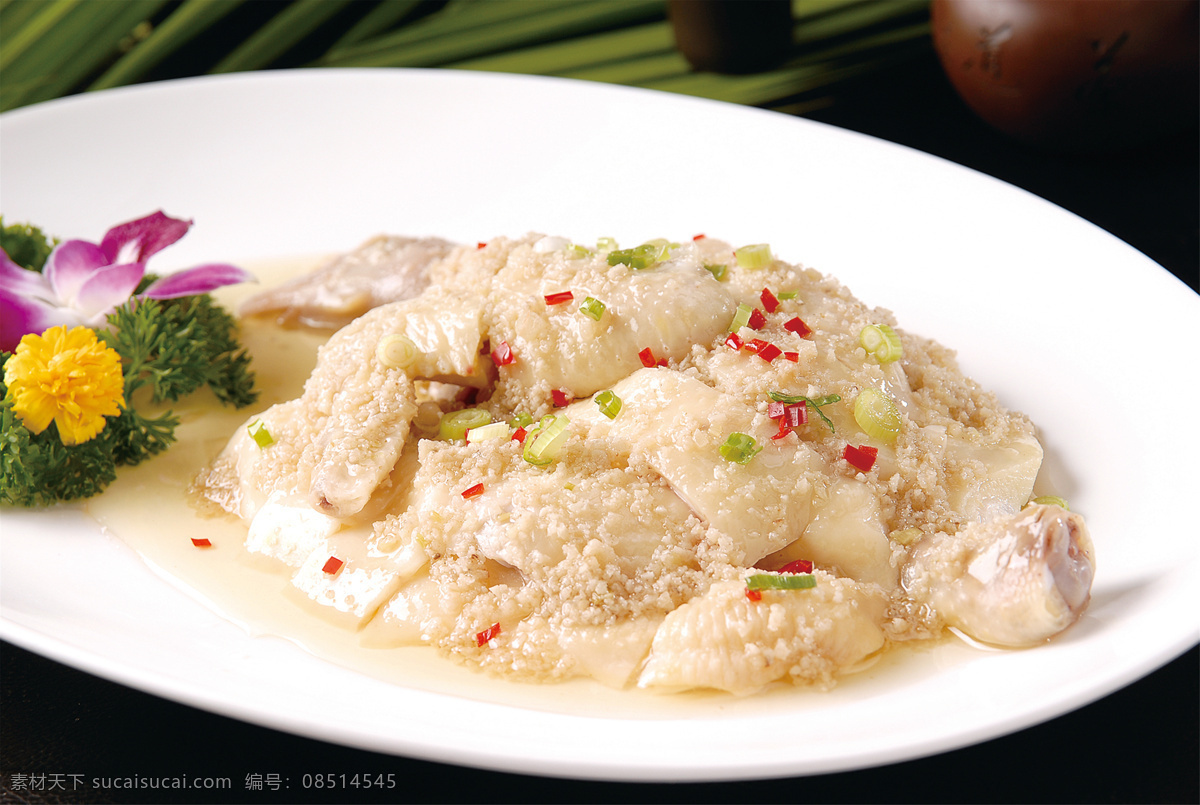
[
  {"x": 396, "y": 351},
  {"x": 639, "y": 257},
  {"x": 877, "y": 415},
  {"x": 785, "y": 295},
  {"x": 545, "y": 442},
  {"x": 740, "y": 448},
  {"x": 741, "y": 318},
  {"x": 592, "y": 307},
  {"x": 576, "y": 252},
  {"x": 454, "y": 425},
  {"x": 906, "y": 536},
  {"x": 259, "y": 433},
  {"x": 718, "y": 270},
  {"x": 663, "y": 246},
  {"x": 826, "y": 400},
  {"x": 521, "y": 420},
  {"x": 881, "y": 341},
  {"x": 610, "y": 404},
  {"x": 757, "y": 255},
  {"x": 1051, "y": 500},
  {"x": 790, "y": 581},
  {"x": 494, "y": 430},
  {"x": 606, "y": 244}
]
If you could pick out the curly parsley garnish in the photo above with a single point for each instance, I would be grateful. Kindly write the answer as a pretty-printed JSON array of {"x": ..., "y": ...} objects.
[{"x": 25, "y": 245}]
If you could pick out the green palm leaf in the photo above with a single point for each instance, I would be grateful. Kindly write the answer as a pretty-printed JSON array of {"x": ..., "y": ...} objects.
[{"x": 52, "y": 48}]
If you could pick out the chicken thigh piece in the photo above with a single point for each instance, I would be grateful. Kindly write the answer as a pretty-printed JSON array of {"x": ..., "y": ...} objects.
[
  {"x": 1012, "y": 581},
  {"x": 382, "y": 270}
]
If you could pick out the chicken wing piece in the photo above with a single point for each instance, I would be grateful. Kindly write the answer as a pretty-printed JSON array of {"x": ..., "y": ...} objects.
[
  {"x": 382, "y": 270},
  {"x": 1012, "y": 581}
]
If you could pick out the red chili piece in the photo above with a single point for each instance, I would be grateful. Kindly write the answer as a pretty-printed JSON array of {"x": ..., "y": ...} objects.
[
  {"x": 480, "y": 245},
  {"x": 201, "y": 542},
  {"x": 332, "y": 565},
  {"x": 757, "y": 320},
  {"x": 794, "y": 357},
  {"x": 784, "y": 429},
  {"x": 769, "y": 353},
  {"x": 769, "y": 300},
  {"x": 799, "y": 566},
  {"x": 754, "y": 595},
  {"x": 502, "y": 355},
  {"x": 764, "y": 349},
  {"x": 701, "y": 236},
  {"x": 733, "y": 342},
  {"x": 797, "y": 414},
  {"x": 561, "y": 398},
  {"x": 519, "y": 435},
  {"x": 647, "y": 358},
  {"x": 790, "y": 416},
  {"x": 797, "y": 326},
  {"x": 860, "y": 458},
  {"x": 472, "y": 491},
  {"x": 559, "y": 298},
  {"x": 487, "y": 634}
]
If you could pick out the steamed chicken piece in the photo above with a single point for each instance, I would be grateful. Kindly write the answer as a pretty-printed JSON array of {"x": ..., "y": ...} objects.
[
  {"x": 292, "y": 533},
  {"x": 333, "y": 447},
  {"x": 724, "y": 640},
  {"x": 993, "y": 479},
  {"x": 366, "y": 415},
  {"x": 667, "y": 309},
  {"x": 382, "y": 270},
  {"x": 369, "y": 404},
  {"x": 354, "y": 591},
  {"x": 577, "y": 562},
  {"x": 526, "y": 517},
  {"x": 1011, "y": 581},
  {"x": 640, "y": 530},
  {"x": 368, "y": 400},
  {"x": 846, "y": 532},
  {"x": 676, "y": 425},
  {"x": 287, "y": 529}
]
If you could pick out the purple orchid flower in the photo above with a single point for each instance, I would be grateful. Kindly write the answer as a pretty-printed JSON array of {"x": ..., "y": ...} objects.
[{"x": 82, "y": 282}]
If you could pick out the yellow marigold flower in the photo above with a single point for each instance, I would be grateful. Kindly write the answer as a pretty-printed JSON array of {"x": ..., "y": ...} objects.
[{"x": 66, "y": 377}]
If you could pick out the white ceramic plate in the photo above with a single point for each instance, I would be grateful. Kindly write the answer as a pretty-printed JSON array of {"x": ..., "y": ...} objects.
[{"x": 1070, "y": 325}]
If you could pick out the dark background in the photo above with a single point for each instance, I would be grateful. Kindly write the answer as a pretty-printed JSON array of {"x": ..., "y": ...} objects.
[{"x": 1140, "y": 744}]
